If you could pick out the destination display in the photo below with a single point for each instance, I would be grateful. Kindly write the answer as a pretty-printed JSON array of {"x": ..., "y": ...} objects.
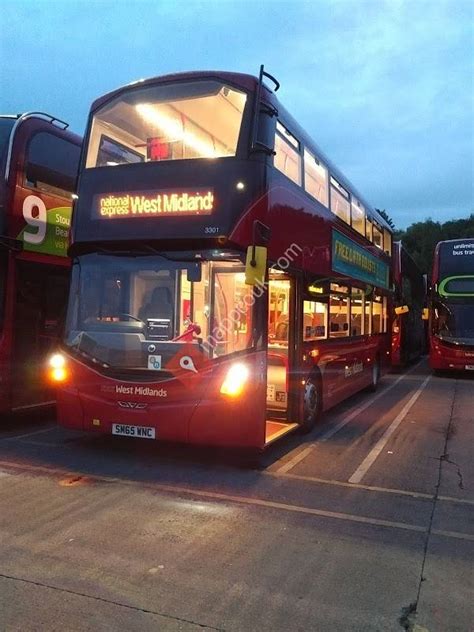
[
  {"x": 156, "y": 203},
  {"x": 456, "y": 257},
  {"x": 352, "y": 260}
]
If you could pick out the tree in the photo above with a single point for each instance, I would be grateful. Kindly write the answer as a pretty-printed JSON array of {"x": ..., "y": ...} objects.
[
  {"x": 386, "y": 217},
  {"x": 421, "y": 238}
]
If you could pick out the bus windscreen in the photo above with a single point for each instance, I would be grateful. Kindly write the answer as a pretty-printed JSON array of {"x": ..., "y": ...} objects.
[
  {"x": 453, "y": 322},
  {"x": 127, "y": 309}
]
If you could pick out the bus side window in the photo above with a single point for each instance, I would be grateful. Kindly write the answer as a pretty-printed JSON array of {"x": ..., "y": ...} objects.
[
  {"x": 315, "y": 178},
  {"x": 315, "y": 316},
  {"x": 338, "y": 316},
  {"x": 387, "y": 241},
  {"x": 358, "y": 216},
  {"x": 368, "y": 228},
  {"x": 368, "y": 316},
  {"x": 340, "y": 204},
  {"x": 287, "y": 158},
  {"x": 377, "y": 235},
  {"x": 377, "y": 307},
  {"x": 384, "y": 315},
  {"x": 51, "y": 163},
  {"x": 357, "y": 310}
]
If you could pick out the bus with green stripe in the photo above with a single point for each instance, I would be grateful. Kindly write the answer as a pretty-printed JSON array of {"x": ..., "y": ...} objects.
[
  {"x": 38, "y": 164},
  {"x": 451, "y": 310}
]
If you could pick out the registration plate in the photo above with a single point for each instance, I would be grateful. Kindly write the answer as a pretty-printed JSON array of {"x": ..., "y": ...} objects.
[
  {"x": 142, "y": 432},
  {"x": 469, "y": 367}
]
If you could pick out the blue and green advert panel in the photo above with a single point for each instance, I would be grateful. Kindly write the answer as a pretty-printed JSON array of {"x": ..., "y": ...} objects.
[{"x": 352, "y": 260}]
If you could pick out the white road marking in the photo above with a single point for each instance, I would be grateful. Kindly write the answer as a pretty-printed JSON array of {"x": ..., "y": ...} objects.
[
  {"x": 361, "y": 471},
  {"x": 29, "y": 434},
  {"x": 453, "y": 534},
  {"x": 451, "y": 499},
  {"x": 302, "y": 454},
  {"x": 336, "y": 483},
  {"x": 369, "y": 488},
  {"x": 244, "y": 500}
]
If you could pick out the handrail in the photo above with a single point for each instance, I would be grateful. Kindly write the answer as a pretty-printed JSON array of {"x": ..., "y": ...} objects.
[
  {"x": 270, "y": 110},
  {"x": 20, "y": 119}
]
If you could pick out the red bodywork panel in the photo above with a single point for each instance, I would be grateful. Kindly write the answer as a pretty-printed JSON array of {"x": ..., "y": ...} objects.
[
  {"x": 187, "y": 408},
  {"x": 448, "y": 357}
]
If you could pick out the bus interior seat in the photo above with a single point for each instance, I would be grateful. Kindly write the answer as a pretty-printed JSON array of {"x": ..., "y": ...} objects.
[
  {"x": 281, "y": 330},
  {"x": 159, "y": 305}
]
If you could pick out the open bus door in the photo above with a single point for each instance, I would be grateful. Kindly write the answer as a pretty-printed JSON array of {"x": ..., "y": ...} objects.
[
  {"x": 282, "y": 395},
  {"x": 282, "y": 391}
]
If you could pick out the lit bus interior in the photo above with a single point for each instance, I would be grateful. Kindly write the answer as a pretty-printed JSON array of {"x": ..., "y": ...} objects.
[
  {"x": 279, "y": 296},
  {"x": 181, "y": 121}
]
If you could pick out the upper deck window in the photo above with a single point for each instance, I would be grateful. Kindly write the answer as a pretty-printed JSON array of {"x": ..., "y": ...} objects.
[
  {"x": 180, "y": 121},
  {"x": 358, "y": 216},
  {"x": 368, "y": 228},
  {"x": 315, "y": 178},
  {"x": 387, "y": 241},
  {"x": 377, "y": 235},
  {"x": 287, "y": 157},
  {"x": 340, "y": 204},
  {"x": 51, "y": 163}
]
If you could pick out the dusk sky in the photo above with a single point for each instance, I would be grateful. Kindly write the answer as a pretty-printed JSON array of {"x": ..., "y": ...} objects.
[{"x": 385, "y": 87}]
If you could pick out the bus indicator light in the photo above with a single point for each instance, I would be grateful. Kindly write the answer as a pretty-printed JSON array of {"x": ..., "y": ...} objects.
[{"x": 57, "y": 368}]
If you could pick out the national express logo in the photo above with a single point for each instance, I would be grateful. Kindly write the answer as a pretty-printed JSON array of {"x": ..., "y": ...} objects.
[{"x": 154, "y": 204}]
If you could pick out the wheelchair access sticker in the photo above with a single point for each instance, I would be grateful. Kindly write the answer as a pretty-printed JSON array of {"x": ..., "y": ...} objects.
[{"x": 154, "y": 362}]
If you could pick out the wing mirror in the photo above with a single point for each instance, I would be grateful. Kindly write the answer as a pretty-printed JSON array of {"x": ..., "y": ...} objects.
[{"x": 402, "y": 309}]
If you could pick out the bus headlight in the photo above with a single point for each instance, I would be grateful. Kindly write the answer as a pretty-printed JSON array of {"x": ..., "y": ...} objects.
[
  {"x": 235, "y": 380},
  {"x": 57, "y": 368}
]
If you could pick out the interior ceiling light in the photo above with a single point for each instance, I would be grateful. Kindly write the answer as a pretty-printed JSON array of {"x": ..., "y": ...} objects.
[{"x": 175, "y": 130}]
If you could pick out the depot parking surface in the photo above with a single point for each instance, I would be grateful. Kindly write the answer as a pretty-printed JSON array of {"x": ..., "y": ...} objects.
[{"x": 366, "y": 524}]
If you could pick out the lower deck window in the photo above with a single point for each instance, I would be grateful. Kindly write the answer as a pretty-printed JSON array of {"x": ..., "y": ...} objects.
[
  {"x": 315, "y": 316},
  {"x": 338, "y": 316},
  {"x": 357, "y": 311},
  {"x": 377, "y": 315}
]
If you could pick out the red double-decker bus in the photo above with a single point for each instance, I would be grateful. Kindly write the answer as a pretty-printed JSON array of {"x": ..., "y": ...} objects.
[
  {"x": 408, "y": 330},
  {"x": 38, "y": 168},
  {"x": 228, "y": 282},
  {"x": 451, "y": 306}
]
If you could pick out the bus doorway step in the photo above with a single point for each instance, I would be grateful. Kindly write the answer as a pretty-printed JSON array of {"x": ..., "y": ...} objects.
[{"x": 276, "y": 429}]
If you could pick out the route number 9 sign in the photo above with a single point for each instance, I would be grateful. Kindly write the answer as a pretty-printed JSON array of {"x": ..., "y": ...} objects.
[{"x": 46, "y": 230}]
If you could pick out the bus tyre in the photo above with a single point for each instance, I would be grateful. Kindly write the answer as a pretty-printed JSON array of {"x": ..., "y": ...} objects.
[
  {"x": 375, "y": 376},
  {"x": 312, "y": 404}
]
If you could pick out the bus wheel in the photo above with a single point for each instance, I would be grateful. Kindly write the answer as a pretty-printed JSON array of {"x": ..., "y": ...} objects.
[
  {"x": 375, "y": 376},
  {"x": 312, "y": 404}
]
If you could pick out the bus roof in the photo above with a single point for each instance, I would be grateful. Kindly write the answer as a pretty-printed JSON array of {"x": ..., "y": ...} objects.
[{"x": 250, "y": 82}]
